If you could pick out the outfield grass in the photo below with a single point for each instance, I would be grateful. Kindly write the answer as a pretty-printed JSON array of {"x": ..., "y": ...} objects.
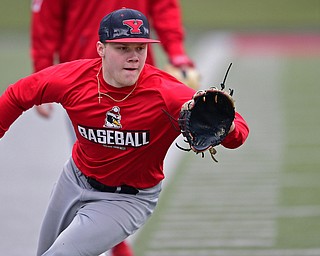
[
  {"x": 15, "y": 61},
  {"x": 301, "y": 170},
  {"x": 15, "y": 15},
  {"x": 208, "y": 14},
  {"x": 252, "y": 14}
]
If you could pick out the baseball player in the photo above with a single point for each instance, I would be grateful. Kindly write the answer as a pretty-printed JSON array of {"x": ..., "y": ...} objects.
[
  {"x": 119, "y": 109},
  {"x": 65, "y": 30}
]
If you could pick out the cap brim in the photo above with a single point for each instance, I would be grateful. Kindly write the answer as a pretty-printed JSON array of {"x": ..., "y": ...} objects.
[{"x": 133, "y": 40}]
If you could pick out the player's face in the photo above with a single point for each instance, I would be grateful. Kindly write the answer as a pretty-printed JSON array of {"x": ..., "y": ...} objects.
[{"x": 123, "y": 62}]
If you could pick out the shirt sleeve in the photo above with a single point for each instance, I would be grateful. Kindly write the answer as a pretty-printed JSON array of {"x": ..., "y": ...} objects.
[
  {"x": 238, "y": 136},
  {"x": 47, "y": 23},
  {"x": 12, "y": 105},
  {"x": 166, "y": 19},
  {"x": 24, "y": 94}
]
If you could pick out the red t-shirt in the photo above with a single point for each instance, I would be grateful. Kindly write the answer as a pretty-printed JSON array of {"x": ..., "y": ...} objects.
[
  {"x": 117, "y": 143},
  {"x": 68, "y": 29}
]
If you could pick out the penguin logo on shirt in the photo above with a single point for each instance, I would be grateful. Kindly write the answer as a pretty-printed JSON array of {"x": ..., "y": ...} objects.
[
  {"x": 113, "y": 118},
  {"x": 112, "y": 134}
]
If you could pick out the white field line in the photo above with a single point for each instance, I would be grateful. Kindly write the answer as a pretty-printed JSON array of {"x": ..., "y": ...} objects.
[
  {"x": 219, "y": 234},
  {"x": 237, "y": 252},
  {"x": 212, "y": 243}
]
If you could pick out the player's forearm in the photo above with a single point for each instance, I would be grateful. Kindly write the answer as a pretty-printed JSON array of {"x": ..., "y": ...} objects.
[
  {"x": 239, "y": 134},
  {"x": 21, "y": 96},
  {"x": 10, "y": 111}
]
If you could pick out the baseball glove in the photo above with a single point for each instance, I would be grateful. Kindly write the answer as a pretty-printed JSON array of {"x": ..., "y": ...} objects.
[{"x": 205, "y": 120}]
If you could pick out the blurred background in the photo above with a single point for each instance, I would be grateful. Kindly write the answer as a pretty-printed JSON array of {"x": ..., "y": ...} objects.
[{"x": 261, "y": 199}]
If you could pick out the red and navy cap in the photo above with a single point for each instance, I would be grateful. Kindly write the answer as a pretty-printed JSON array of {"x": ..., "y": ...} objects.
[{"x": 125, "y": 26}]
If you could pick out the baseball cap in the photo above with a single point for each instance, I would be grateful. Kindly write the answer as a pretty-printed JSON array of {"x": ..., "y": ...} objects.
[{"x": 125, "y": 26}]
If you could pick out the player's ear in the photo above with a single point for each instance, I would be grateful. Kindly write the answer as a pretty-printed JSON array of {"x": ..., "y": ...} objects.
[{"x": 101, "y": 49}]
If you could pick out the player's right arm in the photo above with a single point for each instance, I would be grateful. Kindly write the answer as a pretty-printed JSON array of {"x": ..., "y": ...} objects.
[
  {"x": 9, "y": 112},
  {"x": 35, "y": 89},
  {"x": 11, "y": 109}
]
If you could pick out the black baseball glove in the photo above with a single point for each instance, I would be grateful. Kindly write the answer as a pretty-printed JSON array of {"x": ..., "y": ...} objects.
[{"x": 206, "y": 119}]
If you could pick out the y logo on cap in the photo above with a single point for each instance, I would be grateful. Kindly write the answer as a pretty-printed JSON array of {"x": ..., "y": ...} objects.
[{"x": 134, "y": 25}]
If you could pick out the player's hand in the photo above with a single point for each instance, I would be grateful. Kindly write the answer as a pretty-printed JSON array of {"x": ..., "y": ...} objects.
[
  {"x": 189, "y": 75},
  {"x": 182, "y": 68},
  {"x": 44, "y": 110}
]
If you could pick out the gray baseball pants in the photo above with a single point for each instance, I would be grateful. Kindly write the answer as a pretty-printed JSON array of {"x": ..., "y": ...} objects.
[{"x": 82, "y": 221}]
